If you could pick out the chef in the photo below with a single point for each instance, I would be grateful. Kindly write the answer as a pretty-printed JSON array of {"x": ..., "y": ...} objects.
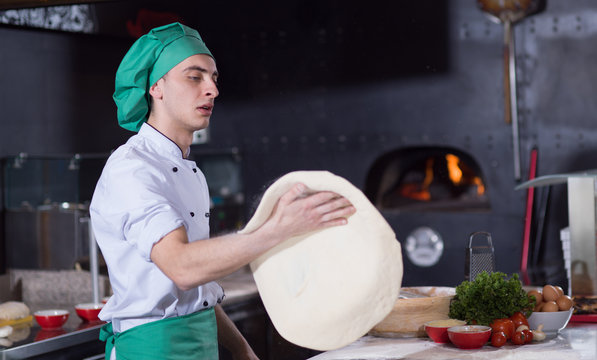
[{"x": 150, "y": 210}]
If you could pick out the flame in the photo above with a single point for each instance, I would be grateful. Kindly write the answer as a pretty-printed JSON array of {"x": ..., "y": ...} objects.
[
  {"x": 456, "y": 174},
  {"x": 420, "y": 191},
  {"x": 480, "y": 186},
  {"x": 454, "y": 171}
]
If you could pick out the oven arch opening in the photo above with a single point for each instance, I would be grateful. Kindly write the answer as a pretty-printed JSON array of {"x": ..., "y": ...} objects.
[{"x": 427, "y": 179}]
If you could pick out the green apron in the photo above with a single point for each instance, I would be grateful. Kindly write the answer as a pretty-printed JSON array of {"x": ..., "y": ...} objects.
[{"x": 187, "y": 337}]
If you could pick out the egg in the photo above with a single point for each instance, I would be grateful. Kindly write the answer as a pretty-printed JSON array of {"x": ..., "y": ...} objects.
[
  {"x": 559, "y": 290},
  {"x": 537, "y": 294},
  {"x": 564, "y": 303},
  {"x": 550, "y": 306},
  {"x": 550, "y": 293},
  {"x": 538, "y": 307}
]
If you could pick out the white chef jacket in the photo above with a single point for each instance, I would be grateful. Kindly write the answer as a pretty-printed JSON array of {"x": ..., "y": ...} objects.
[{"x": 146, "y": 190}]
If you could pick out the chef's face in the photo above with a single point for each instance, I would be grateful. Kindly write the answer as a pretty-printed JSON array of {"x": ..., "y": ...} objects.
[{"x": 188, "y": 92}]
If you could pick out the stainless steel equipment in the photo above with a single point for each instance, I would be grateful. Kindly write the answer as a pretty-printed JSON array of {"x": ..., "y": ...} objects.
[
  {"x": 45, "y": 200},
  {"x": 479, "y": 258}
]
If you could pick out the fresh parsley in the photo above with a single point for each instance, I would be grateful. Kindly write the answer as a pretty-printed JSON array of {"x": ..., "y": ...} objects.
[{"x": 489, "y": 297}]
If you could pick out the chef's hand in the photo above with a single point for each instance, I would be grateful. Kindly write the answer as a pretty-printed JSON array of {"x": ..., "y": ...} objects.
[{"x": 301, "y": 210}]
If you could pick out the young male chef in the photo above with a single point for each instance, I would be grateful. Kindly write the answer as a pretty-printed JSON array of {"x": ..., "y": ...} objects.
[{"x": 150, "y": 210}]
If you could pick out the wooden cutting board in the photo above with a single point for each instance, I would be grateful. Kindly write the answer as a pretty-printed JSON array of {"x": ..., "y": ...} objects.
[
  {"x": 420, "y": 305},
  {"x": 24, "y": 320}
]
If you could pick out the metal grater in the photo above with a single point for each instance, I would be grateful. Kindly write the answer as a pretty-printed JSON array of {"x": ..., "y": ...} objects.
[{"x": 478, "y": 258}]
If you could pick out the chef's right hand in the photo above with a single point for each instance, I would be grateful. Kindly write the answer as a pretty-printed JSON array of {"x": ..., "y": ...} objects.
[{"x": 301, "y": 210}]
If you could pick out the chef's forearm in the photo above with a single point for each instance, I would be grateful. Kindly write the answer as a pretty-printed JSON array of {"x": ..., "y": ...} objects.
[{"x": 189, "y": 265}]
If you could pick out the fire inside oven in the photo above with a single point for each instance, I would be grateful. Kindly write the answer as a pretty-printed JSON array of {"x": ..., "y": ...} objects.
[{"x": 428, "y": 178}]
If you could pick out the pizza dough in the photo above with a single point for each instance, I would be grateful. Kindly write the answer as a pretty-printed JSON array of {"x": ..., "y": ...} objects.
[
  {"x": 13, "y": 310},
  {"x": 325, "y": 289}
]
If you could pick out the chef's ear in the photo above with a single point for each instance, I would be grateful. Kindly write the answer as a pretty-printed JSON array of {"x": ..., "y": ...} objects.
[{"x": 155, "y": 90}]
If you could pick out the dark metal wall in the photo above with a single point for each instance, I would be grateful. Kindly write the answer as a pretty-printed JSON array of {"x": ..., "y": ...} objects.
[{"x": 327, "y": 85}]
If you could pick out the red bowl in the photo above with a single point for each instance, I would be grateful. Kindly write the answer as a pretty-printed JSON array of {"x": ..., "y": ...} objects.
[
  {"x": 437, "y": 330},
  {"x": 469, "y": 336},
  {"x": 89, "y": 311},
  {"x": 51, "y": 319}
]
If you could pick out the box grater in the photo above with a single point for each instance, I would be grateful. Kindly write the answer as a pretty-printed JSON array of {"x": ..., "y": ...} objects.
[{"x": 479, "y": 258}]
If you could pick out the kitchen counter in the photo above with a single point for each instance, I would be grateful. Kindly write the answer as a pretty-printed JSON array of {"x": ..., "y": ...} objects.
[
  {"x": 578, "y": 341},
  {"x": 239, "y": 287}
]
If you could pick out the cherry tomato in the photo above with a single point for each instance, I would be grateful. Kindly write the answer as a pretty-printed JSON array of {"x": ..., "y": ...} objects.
[
  {"x": 504, "y": 325},
  {"x": 519, "y": 319},
  {"x": 498, "y": 339},
  {"x": 528, "y": 336},
  {"x": 519, "y": 338}
]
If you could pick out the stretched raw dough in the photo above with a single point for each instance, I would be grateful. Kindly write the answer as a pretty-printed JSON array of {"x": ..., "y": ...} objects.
[{"x": 328, "y": 288}]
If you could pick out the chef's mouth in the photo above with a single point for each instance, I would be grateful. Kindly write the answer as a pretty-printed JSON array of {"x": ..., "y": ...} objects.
[{"x": 205, "y": 109}]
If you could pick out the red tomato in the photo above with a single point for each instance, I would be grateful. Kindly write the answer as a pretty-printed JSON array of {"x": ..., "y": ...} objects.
[
  {"x": 519, "y": 319},
  {"x": 528, "y": 336},
  {"x": 519, "y": 338},
  {"x": 498, "y": 339},
  {"x": 504, "y": 325}
]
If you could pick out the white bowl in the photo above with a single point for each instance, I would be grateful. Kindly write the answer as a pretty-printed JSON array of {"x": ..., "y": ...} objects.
[{"x": 552, "y": 322}]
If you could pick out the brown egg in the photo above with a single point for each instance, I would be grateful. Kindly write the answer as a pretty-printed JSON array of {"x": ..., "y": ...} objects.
[
  {"x": 550, "y": 306},
  {"x": 538, "y": 307},
  {"x": 564, "y": 302},
  {"x": 550, "y": 293},
  {"x": 537, "y": 294},
  {"x": 559, "y": 290}
]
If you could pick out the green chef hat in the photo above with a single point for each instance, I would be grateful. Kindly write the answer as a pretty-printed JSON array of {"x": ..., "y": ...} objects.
[{"x": 150, "y": 58}]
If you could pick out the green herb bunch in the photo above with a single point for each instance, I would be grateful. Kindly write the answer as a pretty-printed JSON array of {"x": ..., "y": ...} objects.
[{"x": 489, "y": 297}]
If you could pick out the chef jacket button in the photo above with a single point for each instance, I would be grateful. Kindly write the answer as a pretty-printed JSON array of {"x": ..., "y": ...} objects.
[
  {"x": 205, "y": 303},
  {"x": 192, "y": 214},
  {"x": 194, "y": 170},
  {"x": 175, "y": 169}
]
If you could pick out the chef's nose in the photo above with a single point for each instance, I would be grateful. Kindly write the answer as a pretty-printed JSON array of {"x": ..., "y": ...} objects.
[{"x": 212, "y": 90}]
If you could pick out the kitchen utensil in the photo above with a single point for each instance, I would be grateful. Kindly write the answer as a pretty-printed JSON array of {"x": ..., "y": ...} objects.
[
  {"x": 51, "y": 319},
  {"x": 528, "y": 220},
  {"x": 89, "y": 311},
  {"x": 23, "y": 320},
  {"x": 509, "y": 12},
  {"x": 469, "y": 336},
  {"x": 479, "y": 258},
  {"x": 409, "y": 315},
  {"x": 437, "y": 330},
  {"x": 552, "y": 322}
]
